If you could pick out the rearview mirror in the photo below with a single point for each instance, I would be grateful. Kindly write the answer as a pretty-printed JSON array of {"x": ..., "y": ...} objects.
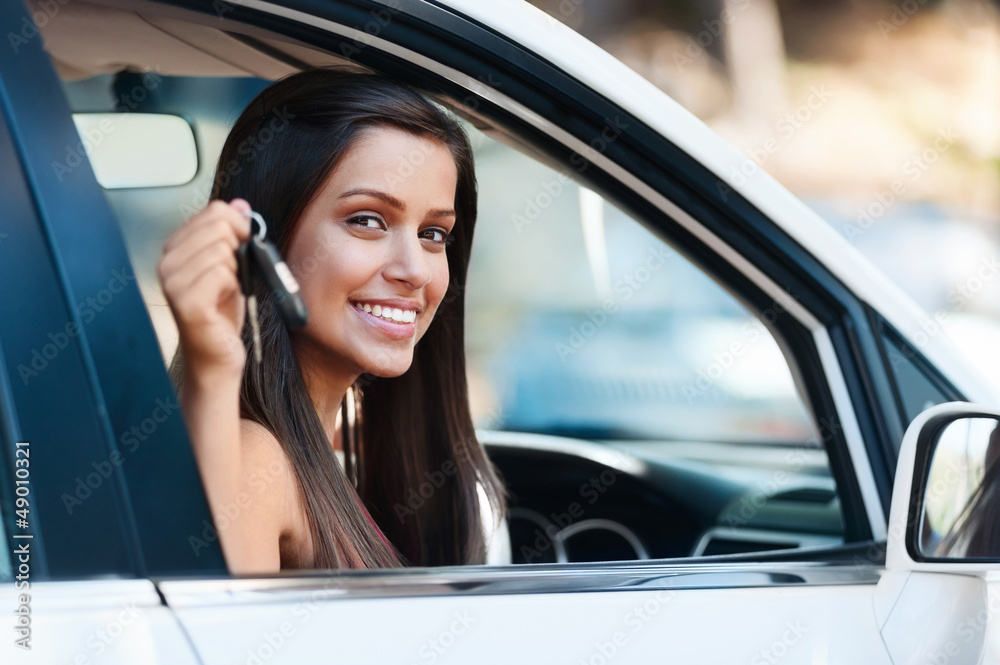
[{"x": 138, "y": 149}]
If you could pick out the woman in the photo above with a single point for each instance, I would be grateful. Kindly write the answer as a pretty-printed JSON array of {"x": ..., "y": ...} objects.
[{"x": 369, "y": 193}]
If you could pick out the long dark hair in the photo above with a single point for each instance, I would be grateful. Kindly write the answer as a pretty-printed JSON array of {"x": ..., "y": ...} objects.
[{"x": 410, "y": 446}]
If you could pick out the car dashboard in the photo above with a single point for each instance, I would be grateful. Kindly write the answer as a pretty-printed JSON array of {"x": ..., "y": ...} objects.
[{"x": 575, "y": 500}]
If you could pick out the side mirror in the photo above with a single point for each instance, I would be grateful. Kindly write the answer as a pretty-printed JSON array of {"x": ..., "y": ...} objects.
[
  {"x": 946, "y": 500},
  {"x": 961, "y": 502},
  {"x": 136, "y": 149},
  {"x": 934, "y": 602}
]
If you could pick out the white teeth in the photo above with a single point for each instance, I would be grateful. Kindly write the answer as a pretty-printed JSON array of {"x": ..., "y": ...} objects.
[{"x": 389, "y": 313}]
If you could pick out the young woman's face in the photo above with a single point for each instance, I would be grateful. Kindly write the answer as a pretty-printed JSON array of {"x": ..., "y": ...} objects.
[{"x": 372, "y": 242}]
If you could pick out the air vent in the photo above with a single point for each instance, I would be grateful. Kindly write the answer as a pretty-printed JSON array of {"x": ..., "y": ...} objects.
[
  {"x": 735, "y": 546},
  {"x": 806, "y": 495}
]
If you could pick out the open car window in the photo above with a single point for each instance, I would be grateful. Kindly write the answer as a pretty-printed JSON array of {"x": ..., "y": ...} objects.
[
  {"x": 635, "y": 406},
  {"x": 585, "y": 323},
  {"x": 601, "y": 350},
  {"x": 587, "y": 334}
]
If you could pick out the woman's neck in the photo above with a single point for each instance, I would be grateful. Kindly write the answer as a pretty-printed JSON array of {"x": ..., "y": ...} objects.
[
  {"x": 328, "y": 408},
  {"x": 327, "y": 389}
]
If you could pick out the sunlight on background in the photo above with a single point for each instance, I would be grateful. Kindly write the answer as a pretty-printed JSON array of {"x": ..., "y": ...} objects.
[{"x": 884, "y": 117}]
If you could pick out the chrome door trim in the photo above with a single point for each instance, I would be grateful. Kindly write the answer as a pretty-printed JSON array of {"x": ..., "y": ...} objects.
[
  {"x": 88, "y": 594},
  {"x": 497, "y": 580}
]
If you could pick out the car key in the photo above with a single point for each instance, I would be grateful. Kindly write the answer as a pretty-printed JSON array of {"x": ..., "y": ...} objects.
[
  {"x": 277, "y": 276},
  {"x": 280, "y": 280},
  {"x": 259, "y": 258}
]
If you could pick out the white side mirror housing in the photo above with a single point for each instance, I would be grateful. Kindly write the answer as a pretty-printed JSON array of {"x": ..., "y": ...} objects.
[{"x": 947, "y": 487}]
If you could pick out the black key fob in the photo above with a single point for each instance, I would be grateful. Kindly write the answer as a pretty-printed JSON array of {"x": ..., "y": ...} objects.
[
  {"x": 280, "y": 281},
  {"x": 258, "y": 257},
  {"x": 245, "y": 269}
]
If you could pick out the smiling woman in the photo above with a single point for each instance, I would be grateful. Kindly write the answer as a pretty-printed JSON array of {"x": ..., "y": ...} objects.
[
  {"x": 390, "y": 239},
  {"x": 369, "y": 191}
]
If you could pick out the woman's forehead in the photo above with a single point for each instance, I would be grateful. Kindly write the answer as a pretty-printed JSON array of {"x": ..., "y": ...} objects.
[{"x": 398, "y": 163}]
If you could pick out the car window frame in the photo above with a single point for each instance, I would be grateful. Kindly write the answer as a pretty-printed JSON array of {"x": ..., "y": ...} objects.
[
  {"x": 918, "y": 363},
  {"x": 747, "y": 231},
  {"x": 433, "y": 47},
  {"x": 579, "y": 118},
  {"x": 110, "y": 369}
]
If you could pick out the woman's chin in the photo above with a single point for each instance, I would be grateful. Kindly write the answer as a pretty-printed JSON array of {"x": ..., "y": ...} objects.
[{"x": 388, "y": 366}]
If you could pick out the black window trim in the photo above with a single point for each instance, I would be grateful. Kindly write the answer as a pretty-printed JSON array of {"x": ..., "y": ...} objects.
[{"x": 919, "y": 362}]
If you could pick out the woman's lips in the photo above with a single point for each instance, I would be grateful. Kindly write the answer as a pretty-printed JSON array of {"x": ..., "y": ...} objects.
[{"x": 393, "y": 329}]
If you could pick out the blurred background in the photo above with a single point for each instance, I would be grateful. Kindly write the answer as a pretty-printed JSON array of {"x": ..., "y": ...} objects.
[{"x": 884, "y": 117}]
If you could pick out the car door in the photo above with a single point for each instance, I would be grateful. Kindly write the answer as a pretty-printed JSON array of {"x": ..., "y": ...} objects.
[
  {"x": 73, "y": 334},
  {"x": 789, "y": 606}
]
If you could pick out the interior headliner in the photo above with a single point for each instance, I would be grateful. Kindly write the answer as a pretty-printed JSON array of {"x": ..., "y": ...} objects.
[{"x": 86, "y": 38}]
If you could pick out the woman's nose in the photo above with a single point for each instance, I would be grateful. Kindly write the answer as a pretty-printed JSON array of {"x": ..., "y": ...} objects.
[{"x": 409, "y": 262}]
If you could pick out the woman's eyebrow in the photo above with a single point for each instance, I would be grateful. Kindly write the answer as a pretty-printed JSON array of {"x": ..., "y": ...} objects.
[
  {"x": 387, "y": 199},
  {"x": 441, "y": 212},
  {"x": 393, "y": 202}
]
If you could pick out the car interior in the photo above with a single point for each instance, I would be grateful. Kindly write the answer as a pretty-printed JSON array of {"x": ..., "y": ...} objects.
[{"x": 635, "y": 406}]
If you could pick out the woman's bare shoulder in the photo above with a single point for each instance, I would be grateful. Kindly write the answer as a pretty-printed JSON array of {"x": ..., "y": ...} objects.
[
  {"x": 258, "y": 438},
  {"x": 268, "y": 478}
]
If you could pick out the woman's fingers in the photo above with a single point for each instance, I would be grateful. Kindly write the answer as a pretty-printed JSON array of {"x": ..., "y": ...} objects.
[
  {"x": 243, "y": 208},
  {"x": 205, "y": 258},
  {"x": 198, "y": 273},
  {"x": 232, "y": 212},
  {"x": 199, "y": 300},
  {"x": 217, "y": 223}
]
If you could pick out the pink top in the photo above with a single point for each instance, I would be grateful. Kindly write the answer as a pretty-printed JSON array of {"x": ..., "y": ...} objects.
[{"x": 372, "y": 522}]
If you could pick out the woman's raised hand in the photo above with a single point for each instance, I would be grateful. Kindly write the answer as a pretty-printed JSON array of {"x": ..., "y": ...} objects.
[{"x": 198, "y": 273}]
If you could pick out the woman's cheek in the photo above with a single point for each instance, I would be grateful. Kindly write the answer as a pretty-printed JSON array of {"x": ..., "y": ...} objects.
[{"x": 440, "y": 283}]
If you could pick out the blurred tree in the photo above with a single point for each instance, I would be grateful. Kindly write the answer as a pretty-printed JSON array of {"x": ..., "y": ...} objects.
[{"x": 744, "y": 35}]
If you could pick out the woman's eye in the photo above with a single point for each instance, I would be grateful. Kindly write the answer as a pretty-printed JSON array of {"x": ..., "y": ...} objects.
[
  {"x": 439, "y": 236},
  {"x": 367, "y": 221}
]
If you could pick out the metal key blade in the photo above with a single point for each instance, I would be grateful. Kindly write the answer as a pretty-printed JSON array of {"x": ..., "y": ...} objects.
[
  {"x": 258, "y": 353},
  {"x": 243, "y": 260}
]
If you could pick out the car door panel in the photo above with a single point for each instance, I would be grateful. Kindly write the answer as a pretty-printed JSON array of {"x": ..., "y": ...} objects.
[
  {"x": 112, "y": 622},
  {"x": 938, "y": 618},
  {"x": 735, "y": 614}
]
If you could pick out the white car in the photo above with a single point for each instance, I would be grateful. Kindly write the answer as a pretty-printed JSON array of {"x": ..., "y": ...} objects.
[{"x": 695, "y": 390}]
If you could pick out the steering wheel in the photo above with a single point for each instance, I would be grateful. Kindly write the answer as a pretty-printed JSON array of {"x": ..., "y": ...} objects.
[{"x": 559, "y": 536}]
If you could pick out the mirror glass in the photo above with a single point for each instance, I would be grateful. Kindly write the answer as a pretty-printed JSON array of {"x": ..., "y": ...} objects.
[
  {"x": 961, "y": 507},
  {"x": 135, "y": 149}
]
